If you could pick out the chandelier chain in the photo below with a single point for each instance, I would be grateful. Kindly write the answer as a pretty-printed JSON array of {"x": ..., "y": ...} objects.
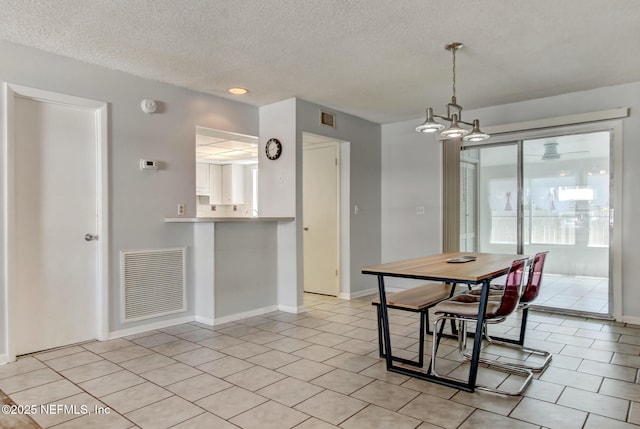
[{"x": 454, "y": 75}]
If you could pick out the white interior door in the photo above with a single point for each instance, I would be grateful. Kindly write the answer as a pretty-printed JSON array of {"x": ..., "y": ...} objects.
[
  {"x": 320, "y": 219},
  {"x": 54, "y": 265}
]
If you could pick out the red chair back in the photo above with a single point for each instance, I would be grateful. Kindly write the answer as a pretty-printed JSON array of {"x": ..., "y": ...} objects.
[
  {"x": 512, "y": 289},
  {"x": 532, "y": 289}
]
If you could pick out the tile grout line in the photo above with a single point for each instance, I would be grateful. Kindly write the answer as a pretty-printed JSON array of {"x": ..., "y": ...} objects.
[{"x": 291, "y": 321}]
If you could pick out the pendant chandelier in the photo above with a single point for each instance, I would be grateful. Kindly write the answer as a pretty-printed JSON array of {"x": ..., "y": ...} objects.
[{"x": 455, "y": 118}]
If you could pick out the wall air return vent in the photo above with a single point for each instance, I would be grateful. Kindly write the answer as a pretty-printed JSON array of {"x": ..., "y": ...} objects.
[
  {"x": 327, "y": 119},
  {"x": 153, "y": 283}
]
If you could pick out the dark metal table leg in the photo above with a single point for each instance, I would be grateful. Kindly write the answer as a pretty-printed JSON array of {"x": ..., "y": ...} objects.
[
  {"x": 384, "y": 316},
  {"x": 380, "y": 345},
  {"x": 477, "y": 338}
]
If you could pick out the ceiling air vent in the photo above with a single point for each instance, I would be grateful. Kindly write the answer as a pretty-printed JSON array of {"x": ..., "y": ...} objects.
[{"x": 328, "y": 119}]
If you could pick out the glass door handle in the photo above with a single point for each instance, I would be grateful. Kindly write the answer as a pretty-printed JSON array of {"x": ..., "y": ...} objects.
[{"x": 611, "y": 216}]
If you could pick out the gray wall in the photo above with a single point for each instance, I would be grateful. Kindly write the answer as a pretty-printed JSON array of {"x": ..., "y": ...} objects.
[
  {"x": 138, "y": 201},
  {"x": 402, "y": 176},
  {"x": 365, "y": 179},
  {"x": 411, "y": 178},
  {"x": 245, "y": 267}
]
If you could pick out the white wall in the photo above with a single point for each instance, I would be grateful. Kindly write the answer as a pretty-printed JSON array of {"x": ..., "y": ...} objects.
[
  {"x": 139, "y": 201},
  {"x": 277, "y": 196},
  {"x": 401, "y": 175},
  {"x": 277, "y": 187},
  {"x": 280, "y": 192}
]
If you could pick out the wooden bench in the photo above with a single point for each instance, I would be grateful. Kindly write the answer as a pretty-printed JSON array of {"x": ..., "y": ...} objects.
[{"x": 418, "y": 300}]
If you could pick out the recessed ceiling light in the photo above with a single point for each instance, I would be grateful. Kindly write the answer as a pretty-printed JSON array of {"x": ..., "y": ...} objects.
[{"x": 238, "y": 91}]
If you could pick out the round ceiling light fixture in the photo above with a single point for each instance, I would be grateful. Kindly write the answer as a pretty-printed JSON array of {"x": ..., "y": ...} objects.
[{"x": 238, "y": 91}]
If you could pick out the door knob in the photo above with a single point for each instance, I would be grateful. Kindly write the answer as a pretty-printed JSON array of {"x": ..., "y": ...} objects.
[{"x": 90, "y": 237}]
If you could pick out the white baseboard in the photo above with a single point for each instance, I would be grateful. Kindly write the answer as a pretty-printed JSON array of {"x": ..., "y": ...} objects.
[
  {"x": 366, "y": 292},
  {"x": 246, "y": 314},
  {"x": 633, "y": 320},
  {"x": 150, "y": 326},
  {"x": 4, "y": 358},
  {"x": 206, "y": 320},
  {"x": 294, "y": 310},
  {"x": 359, "y": 294},
  {"x": 201, "y": 319}
]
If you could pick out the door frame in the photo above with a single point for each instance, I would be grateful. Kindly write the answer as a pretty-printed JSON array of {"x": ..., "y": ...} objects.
[
  {"x": 100, "y": 109},
  {"x": 615, "y": 128},
  {"x": 337, "y": 145}
]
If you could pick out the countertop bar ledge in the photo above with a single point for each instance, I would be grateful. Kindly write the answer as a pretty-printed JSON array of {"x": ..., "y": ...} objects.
[{"x": 226, "y": 219}]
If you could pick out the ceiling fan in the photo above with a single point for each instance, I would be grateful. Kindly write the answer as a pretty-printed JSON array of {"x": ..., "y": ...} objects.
[{"x": 551, "y": 152}]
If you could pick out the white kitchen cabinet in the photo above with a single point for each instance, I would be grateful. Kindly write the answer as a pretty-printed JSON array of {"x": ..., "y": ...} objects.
[
  {"x": 203, "y": 183},
  {"x": 215, "y": 184},
  {"x": 232, "y": 184}
]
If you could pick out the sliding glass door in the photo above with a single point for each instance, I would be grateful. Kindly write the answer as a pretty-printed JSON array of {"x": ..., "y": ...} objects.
[{"x": 549, "y": 194}]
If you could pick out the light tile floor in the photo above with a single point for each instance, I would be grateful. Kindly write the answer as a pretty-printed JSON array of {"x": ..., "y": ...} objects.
[
  {"x": 586, "y": 294},
  {"x": 321, "y": 370}
]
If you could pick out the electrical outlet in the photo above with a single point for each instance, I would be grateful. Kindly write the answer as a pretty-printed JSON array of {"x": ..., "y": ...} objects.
[
  {"x": 181, "y": 209},
  {"x": 420, "y": 210}
]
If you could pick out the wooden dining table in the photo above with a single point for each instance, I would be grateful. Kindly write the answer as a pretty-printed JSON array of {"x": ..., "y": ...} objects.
[{"x": 449, "y": 268}]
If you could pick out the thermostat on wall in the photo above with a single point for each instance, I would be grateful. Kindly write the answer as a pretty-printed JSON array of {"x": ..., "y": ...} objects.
[{"x": 147, "y": 164}]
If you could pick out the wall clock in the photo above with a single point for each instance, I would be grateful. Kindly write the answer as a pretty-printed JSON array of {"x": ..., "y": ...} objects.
[{"x": 273, "y": 149}]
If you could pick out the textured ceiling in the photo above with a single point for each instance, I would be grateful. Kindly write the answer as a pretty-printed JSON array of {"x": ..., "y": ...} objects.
[{"x": 378, "y": 59}]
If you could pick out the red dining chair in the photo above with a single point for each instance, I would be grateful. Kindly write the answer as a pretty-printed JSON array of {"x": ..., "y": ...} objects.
[
  {"x": 465, "y": 308},
  {"x": 529, "y": 293}
]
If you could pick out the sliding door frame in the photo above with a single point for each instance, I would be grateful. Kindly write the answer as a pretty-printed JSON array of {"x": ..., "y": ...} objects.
[{"x": 614, "y": 127}]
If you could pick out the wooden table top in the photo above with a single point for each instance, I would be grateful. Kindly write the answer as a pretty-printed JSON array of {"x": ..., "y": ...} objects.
[{"x": 436, "y": 267}]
